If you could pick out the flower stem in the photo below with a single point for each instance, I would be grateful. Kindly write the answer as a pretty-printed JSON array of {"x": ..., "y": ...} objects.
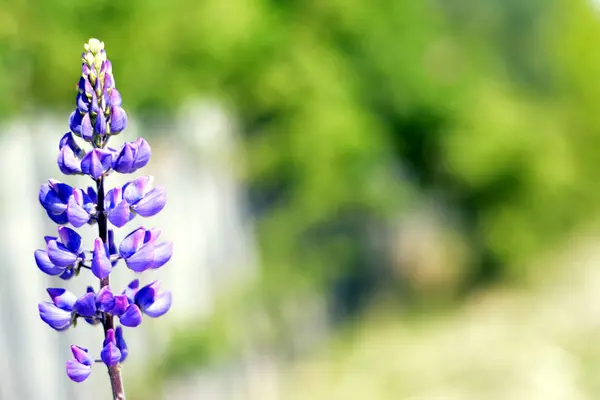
[{"x": 114, "y": 372}]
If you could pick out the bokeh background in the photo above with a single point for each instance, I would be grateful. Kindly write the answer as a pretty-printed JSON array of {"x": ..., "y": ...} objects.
[{"x": 384, "y": 199}]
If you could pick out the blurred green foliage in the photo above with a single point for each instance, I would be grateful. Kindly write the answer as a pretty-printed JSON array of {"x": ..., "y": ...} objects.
[{"x": 352, "y": 111}]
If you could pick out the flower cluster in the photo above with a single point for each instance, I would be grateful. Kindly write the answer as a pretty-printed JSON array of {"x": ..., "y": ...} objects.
[{"x": 98, "y": 117}]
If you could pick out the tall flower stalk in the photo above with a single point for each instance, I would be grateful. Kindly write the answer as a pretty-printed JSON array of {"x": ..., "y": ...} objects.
[{"x": 98, "y": 117}]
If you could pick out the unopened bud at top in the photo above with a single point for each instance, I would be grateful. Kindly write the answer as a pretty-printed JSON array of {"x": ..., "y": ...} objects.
[{"x": 94, "y": 46}]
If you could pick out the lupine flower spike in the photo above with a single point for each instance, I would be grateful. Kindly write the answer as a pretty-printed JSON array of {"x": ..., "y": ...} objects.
[{"x": 98, "y": 117}]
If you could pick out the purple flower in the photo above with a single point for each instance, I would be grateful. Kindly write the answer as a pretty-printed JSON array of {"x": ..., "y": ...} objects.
[
  {"x": 134, "y": 301},
  {"x": 81, "y": 367},
  {"x": 43, "y": 261},
  {"x": 121, "y": 305},
  {"x": 132, "y": 316},
  {"x": 64, "y": 204},
  {"x": 101, "y": 265},
  {"x": 143, "y": 199},
  {"x": 148, "y": 300},
  {"x": 119, "y": 211},
  {"x": 121, "y": 343},
  {"x": 96, "y": 162},
  {"x": 69, "y": 156},
  {"x": 105, "y": 300},
  {"x": 135, "y": 197},
  {"x": 75, "y": 120},
  {"x": 118, "y": 119},
  {"x": 110, "y": 353},
  {"x": 81, "y": 207},
  {"x": 151, "y": 300},
  {"x": 141, "y": 252},
  {"x": 132, "y": 156},
  {"x": 62, "y": 252},
  {"x": 58, "y": 314},
  {"x": 54, "y": 196},
  {"x": 85, "y": 306}
]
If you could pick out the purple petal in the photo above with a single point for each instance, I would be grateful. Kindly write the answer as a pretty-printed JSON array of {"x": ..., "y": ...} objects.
[
  {"x": 109, "y": 82},
  {"x": 63, "y": 190},
  {"x": 68, "y": 162},
  {"x": 106, "y": 157},
  {"x": 105, "y": 300},
  {"x": 121, "y": 343},
  {"x": 94, "y": 104},
  {"x": 55, "y": 317},
  {"x": 110, "y": 354},
  {"x": 69, "y": 140},
  {"x": 132, "y": 289},
  {"x": 162, "y": 304},
  {"x": 82, "y": 103},
  {"x": 76, "y": 214},
  {"x": 70, "y": 239},
  {"x": 67, "y": 274},
  {"x": 152, "y": 235},
  {"x": 75, "y": 122},
  {"x": 81, "y": 355},
  {"x": 162, "y": 254},
  {"x": 132, "y": 317},
  {"x": 96, "y": 162},
  {"x": 44, "y": 263},
  {"x": 101, "y": 265},
  {"x": 85, "y": 86},
  {"x": 146, "y": 295},
  {"x": 112, "y": 247},
  {"x": 132, "y": 242},
  {"x": 114, "y": 98},
  {"x": 86, "y": 305},
  {"x": 78, "y": 372},
  {"x": 87, "y": 132},
  {"x": 134, "y": 191},
  {"x": 78, "y": 196},
  {"x": 110, "y": 337},
  {"x": 143, "y": 154},
  {"x": 59, "y": 255},
  {"x": 113, "y": 197},
  {"x": 58, "y": 219},
  {"x": 100, "y": 125},
  {"x": 91, "y": 194},
  {"x": 118, "y": 119},
  {"x": 51, "y": 201},
  {"x": 121, "y": 304},
  {"x": 106, "y": 67},
  {"x": 120, "y": 215},
  {"x": 152, "y": 203},
  {"x": 124, "y": 162},
  {"x": 62, "y": 298},
  {"x": 142, "y": 259},
  {"x": 88, "y": 205},
  {"x": 48, "y": 239}
]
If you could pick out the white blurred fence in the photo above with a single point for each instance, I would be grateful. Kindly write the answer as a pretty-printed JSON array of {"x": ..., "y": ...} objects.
[{"x": 204, "y": 217}]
